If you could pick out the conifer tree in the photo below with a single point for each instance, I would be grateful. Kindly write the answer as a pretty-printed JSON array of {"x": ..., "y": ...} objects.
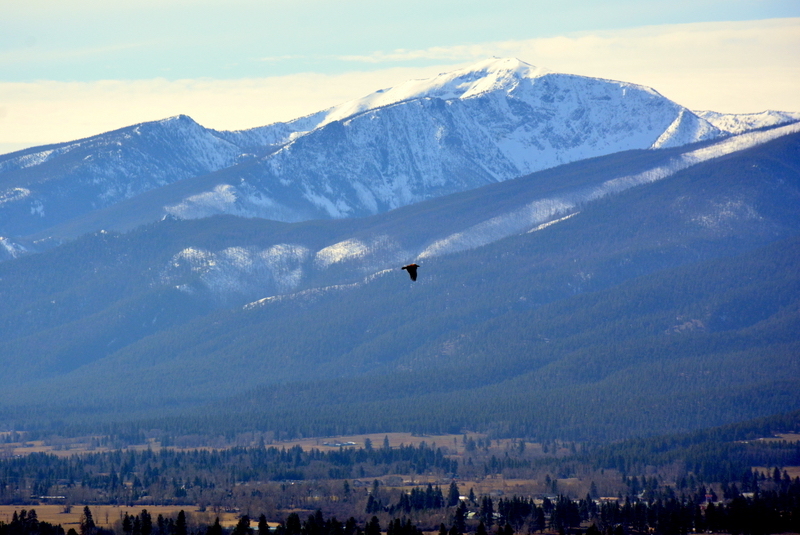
[
  {"x": 180, "y": 524},
  {"x": 215, "y": 529},
  {"x": 87, "y": 525},
  {"x": 243, "y": 526},
  {"x": 146, "y": 522},
  {"x": 452, "y": 495}
]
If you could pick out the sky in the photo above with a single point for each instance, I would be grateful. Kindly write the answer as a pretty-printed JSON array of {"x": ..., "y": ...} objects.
[{"x": 74, "y": 68}]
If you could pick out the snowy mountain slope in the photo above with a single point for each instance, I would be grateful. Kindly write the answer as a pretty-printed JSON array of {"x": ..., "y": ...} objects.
[
  {"x": 42, "y": 187},
  {"x": 526, "y": 204},
  {"x": 737, "y": 123},
  {"x": 10, "y": 249}
]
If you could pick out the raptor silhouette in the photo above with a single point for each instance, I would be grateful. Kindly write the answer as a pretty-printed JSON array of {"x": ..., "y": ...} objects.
[{"x": 412, "y": 270}]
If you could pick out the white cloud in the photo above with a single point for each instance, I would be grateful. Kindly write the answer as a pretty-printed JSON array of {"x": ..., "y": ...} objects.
[
  {"x": 37, "y": 113},
  {"x": 734, "y": 67},
  {"x": 731, "y": 67},
  {"x": 728, "y": 67}
]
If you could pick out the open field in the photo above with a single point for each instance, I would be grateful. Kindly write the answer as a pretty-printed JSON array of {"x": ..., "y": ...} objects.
[
  {"x": 107, "y": 515},
  {"x": 453, "y": 442},
  {"x": 793, "y": 471},
  {"x": 85, "y": 444},
  {"x": 64, "y": 448}
]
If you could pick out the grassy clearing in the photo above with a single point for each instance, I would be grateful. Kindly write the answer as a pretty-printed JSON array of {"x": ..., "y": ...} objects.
[
  {"x": 793, "y": 471},
  {"x": 107, "y": 515},
  {"x": 84, "y": 444},
  {"x": 78, "y": 446},
  {"x": 453, "y": 442}
]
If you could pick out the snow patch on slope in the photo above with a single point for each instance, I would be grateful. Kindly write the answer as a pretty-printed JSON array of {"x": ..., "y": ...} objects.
[
  {"x": 13, "y": 195},
  {"x": 721, "y": 215},
  {"x": 12, "y": 249},
  {"x": 376, "y": 252},
  {"x": 339, "y": 252},
  {"x": 244, "y": 201},
  {"x": 221, "y": 199},
  {"x": 499, "y": 227},
  {"x": 314, "y": 294},
  {"x": 237, "y": 270},
  {"x": 25, "y": 161}
]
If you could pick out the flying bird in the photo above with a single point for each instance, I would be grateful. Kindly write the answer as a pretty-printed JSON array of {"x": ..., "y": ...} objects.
[{"x": 412, "y": 270}]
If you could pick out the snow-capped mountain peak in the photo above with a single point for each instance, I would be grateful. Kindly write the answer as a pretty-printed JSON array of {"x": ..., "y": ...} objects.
[
  {"x": 489, "y": 122},
  {"x": 485, "y": 76}
]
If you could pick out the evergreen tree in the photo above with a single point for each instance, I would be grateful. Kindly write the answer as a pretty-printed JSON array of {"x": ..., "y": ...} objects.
[
  {"x": 351, "y": 526},
  {"x": 487, "y": 511},
  {"x": 460, "y": 518},
  {"x": 180, "y": 524},
  {"x": 127, "y": 524},
  {"x": 243, "y": 526},
  {"x": 215, "y": 529},
  {"x": 452, "y": 495},
  {"x": 293, "y": 524},
  {"x": 146, "y": 522},
  {"x": 373, "y": 527},
  {"x": 87, "y": 525}
]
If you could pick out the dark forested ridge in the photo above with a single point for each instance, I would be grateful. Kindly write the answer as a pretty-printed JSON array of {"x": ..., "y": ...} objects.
[{"x": 668, "y": 307}]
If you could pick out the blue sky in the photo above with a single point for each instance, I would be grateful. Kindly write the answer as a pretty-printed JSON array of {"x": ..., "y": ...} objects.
[{"x": 73, "y": 68}]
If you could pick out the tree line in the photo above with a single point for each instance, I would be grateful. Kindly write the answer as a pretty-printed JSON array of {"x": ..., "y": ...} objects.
[
  {"x": 171, "y": 475},
  {"x": 759, "y": 513}
]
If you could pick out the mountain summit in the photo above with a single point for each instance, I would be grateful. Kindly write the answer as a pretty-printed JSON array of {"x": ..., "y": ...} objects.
[
  {"x": 492, "y": 121},
  {"x": 486, "y": 76}
]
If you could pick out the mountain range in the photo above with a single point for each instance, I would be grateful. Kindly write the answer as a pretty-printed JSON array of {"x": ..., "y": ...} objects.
[
  {"x": 491, "y": 122},
  {"x": 596, "y": 261}
]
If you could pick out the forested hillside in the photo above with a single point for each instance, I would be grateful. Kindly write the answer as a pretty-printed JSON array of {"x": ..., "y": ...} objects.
[{"x": 665, "y": 307}]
